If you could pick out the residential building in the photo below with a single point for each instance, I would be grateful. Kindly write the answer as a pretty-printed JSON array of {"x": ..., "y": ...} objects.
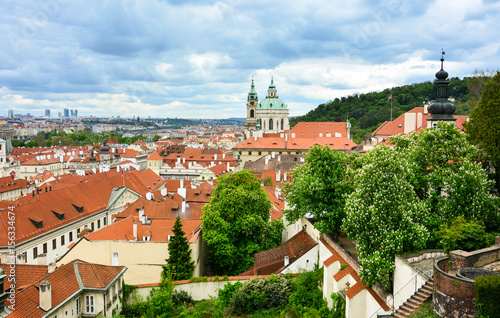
[
  {"x": 298, "y": 140},
  {"x": 77, "y": 289},
  {"x": 50, "y": 219},
  {"x": 11, "y": 189}
]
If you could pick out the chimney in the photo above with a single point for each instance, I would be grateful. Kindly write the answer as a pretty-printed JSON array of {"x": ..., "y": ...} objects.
[
  {"x": 228, "y": 167},
  {"x": 215, "y": 157},
  {"x": 148, "y": 196},
  {"x": 266, "y": 160},
  {"x": 255, "y": 137},
  {"x": 279, "y": 158},
  {"x": 277, "y": 192},
  {"x": 45, "y": 296},
  {"x": 183, "y": 206},
  {"x": 286, "y": 261},
  {"x": 278, "y": 175},
  {"x": 284, "y": 176},
  {"x": 182, "y": 192},
  {"x": 51, "y": 267},
  {"x": 135, "y": 230},
  {"x": 141, "y": 215},
  {"x": 164, "y": 192},
  {"x": 183, "y": 160},
  {"x": 182, "y": 183},
  {"x": 273, "y": 154},
  {"x": 224, "y": 156}
]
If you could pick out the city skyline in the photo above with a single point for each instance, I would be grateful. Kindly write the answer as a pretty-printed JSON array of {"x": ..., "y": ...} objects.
[{"x": 196, "y": 59}]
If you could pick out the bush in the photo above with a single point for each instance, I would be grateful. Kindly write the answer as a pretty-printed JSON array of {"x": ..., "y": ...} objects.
[
  {"x": 226, "y": 294},
  {"x": 487, "y": 290},
  {"x": 464, "y": 235},
  {"x": 306, "y": 291},
  {"x": 181, "y": 297},
  {"x": 260, "y": 293}
]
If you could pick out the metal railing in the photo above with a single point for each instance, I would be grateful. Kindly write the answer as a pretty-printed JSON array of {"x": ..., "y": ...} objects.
[{"x": 395, "y": 294}]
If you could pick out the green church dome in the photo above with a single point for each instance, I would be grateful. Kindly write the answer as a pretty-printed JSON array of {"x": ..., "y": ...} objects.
[{"x": 272, "y": 101}]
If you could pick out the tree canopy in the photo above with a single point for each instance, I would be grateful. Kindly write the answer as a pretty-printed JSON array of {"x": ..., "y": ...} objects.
[
  {"x": 319, "y": 187},
  {"x": 179, "y": 264},
  {"x": 402, "y": 195},
  {"x": 483, "y": 125},
  {"x": 236, "y": 223}
]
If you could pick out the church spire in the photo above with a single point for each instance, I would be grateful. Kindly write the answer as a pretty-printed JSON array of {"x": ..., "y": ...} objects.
[
  {"x": 252, "y": 94},
  {"x": 441, "y": 109}
]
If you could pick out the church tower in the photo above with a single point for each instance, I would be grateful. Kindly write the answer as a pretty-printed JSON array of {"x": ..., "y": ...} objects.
[
  {"x": 272, "y": 112},
  {"x": 252, "y": 102},
  {"x": 441, "y": 109}
]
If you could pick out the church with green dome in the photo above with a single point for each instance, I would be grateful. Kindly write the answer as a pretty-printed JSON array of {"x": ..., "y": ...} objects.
[{"x": 270, "y": 116}]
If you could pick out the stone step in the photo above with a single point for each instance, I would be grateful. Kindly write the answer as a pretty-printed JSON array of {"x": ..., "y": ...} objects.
[{"x": 415, "y": 301}]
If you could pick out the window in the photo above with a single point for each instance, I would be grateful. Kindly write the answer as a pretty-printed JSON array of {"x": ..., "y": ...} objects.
[
  {"x": 35, "y": 252},
  {"x": 251, "y": 113},
  {"x": 98, "y": 224},
  {"x": 104, "y": 221},
  {"x": 92, "y": 226},
  {"x": 70, "y": 236},
  {"x": 89, "y": 304},
  {"x": 54, "y": 244},
  {"x": 62, "y": 240},
  {"x": 249, "y": 153},
  {"x": 78, "y": 306},
  {"x": 44, "y": 248},
  {"x": 115, "y": 259},
  {"x": 270, "y": 124},
  {"x": 78, "y": 233}
]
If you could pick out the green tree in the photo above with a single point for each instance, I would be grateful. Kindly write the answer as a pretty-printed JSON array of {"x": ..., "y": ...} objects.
[
  {"x": 465, "y": 235},
  {"x": 179, "y": 265},
  {"x": 483, "y": 125},
  {"x": 383, "y": 214},
  {"x": 448, "y": 176},
  {"x": 319, "y": 186},
  {"x": 236, "y": 221}
]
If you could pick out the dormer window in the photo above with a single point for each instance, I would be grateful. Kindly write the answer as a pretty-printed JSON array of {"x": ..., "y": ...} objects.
[{"x": 37, "y": 222}]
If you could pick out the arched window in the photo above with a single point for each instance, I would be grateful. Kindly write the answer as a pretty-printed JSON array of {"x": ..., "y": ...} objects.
[
  {"x": 281, "y": 123},
  {"x": 115, "y": 259},
  {"x": 251, "y": 113},
  {"x": 270, "y": 124}
]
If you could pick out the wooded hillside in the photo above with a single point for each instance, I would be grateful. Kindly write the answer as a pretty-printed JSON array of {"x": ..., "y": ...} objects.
[{"x": 367, "y": 111}]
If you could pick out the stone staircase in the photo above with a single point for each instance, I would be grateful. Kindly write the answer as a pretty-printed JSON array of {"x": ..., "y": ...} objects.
[{"x": 414, "y": 301}]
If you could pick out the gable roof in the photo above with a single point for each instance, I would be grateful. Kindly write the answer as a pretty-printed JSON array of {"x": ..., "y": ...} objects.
[
  {"x": 35, "y": 213},
  {"x": 272, "y": 260},
  {"x": 64, "y": 285}
]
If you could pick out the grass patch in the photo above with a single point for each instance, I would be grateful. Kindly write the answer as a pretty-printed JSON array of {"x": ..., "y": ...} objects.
[{"x": 424, "y": 311}]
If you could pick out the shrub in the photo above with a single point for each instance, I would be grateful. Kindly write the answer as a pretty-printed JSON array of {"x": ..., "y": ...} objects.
[
  {"x": 464, "y": 235},
  {"x": 260, "y": 293},
  {"x": 306, "y": 291},
  {"x": 226, "y": 293},
  {"x": 487, "y": 290},
  {"x": 181, "y": 297}
]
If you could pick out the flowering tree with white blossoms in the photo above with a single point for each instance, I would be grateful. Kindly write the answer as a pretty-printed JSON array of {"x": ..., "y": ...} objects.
[{"x": 383, "y": 214}]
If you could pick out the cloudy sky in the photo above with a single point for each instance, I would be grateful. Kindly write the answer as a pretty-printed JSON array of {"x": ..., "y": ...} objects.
[{"x": 196, "y": 58}]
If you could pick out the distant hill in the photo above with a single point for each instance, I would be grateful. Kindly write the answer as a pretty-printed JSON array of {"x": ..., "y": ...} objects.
[{"x": 367, "y": 111}]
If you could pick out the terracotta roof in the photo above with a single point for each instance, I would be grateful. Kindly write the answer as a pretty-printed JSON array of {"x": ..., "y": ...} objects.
[
  {"x": 64, "y": 284},
  {"x": 397, "y": 126},
  {"x": 314, "y": 129},
  {"x": 76, "y": 201},
  {"x": 25, "y": 275},
  {"x": 155, "y": 157},
  {"x": 272, "y": 260},
  {"x": 159, "y": 230},
  {"x": 8, "y": 184}
]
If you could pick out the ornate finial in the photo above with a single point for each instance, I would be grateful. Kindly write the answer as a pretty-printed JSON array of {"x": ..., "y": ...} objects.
[{"x": 442, "y": 58}]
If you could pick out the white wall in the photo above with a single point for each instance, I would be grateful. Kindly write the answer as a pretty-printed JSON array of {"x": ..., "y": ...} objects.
[{"x": 305, "y": 262}]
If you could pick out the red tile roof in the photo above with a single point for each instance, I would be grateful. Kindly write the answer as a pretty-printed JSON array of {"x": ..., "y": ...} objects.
[
  {"x": 64, "y": 284},
  {"x": 155, "y": 157},
  {"x": 159, "y": 230},
  {"x": 8, "y": 184},
  {"x": 25, "y": 275},
  {"x": 272, "y": 260},
  {"x": 89, "y": 197}
]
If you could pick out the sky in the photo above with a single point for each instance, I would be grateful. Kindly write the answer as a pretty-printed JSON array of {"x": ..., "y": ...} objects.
[{"x": 197, "y": 58}]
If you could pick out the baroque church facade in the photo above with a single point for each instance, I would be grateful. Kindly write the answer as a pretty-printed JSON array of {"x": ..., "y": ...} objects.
[{"x": 270, "y": 116}]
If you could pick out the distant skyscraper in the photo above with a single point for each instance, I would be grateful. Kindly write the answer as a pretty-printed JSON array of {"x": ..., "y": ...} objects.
[
  {"x": 47, "y": 113},
  {"x": 66, "y": 112},
  {"x": 11, "y": 114},
  {"x": 59, "y": 114},
  {"x": 76, "y": 112}
]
